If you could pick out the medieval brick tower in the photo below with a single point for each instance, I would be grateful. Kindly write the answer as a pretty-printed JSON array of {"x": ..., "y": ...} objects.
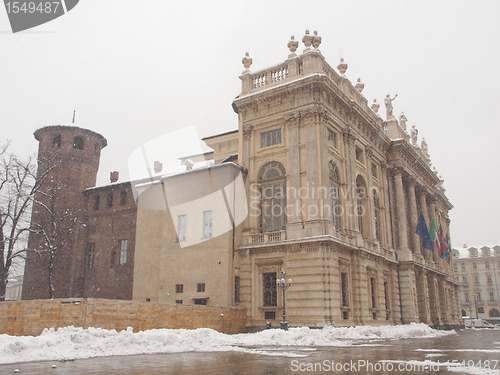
[{"x": 69, "y": 156}]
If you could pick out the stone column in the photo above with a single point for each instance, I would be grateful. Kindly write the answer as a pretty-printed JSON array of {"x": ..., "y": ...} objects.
[
  {"x": 351, "y": 180},
  {"x": 423, "y": 206},
  {"x": 387, "y": 214},
  {"x": 415, "y": 240},
  {"x": 371, "y": 204},
  {"x": 294, "y": 226},
  {"x": 403, "y": 251},
  {"x": 311, "y": 154}
]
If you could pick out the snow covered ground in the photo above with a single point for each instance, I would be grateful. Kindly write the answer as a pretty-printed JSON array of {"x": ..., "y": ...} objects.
[{"x": 75, "y": 343}]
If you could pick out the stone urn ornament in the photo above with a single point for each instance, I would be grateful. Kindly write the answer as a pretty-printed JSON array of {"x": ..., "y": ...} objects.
[
  {"x": 316, "y": 40},
  {"x": 247, "y": 62},
  {"x": 375, "y": 106},
  {"x": 359, "y": 85},
  {"x": 292, "y": 46},
  {"x": 307, "y": 40},
  {"x": 342, "y": 67}
]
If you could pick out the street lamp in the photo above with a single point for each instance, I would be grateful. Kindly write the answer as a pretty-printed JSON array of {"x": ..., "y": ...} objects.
[
  {"x": 475, "y": 303},
  {"x": 281, "y": 283}
]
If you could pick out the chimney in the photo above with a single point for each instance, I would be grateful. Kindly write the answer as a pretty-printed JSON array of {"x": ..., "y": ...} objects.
[
  {"x": 158, "y": 166},
  {"x": 465, "y": 246},
  {"x": 113, "y": 176}
]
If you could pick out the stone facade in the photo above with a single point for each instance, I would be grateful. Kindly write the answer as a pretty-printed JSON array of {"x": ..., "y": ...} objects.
[
  {"x": 477, "y": 269},
  {"x": 331, "y": 192}
]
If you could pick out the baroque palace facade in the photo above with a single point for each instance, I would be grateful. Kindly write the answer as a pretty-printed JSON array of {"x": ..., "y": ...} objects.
[{"x": 313, "y": 182}]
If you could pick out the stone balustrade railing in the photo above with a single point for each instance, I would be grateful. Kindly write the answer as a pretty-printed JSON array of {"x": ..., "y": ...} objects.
[
  {"x": 264, "y": 238},
  {"x": 307, "y": 64}
]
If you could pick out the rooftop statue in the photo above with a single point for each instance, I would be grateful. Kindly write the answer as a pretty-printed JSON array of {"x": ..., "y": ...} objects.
[
  {"x": 414, "y": 135},
  {"x": 402, "y": 120},
  {"x": 388, "y": 106}
]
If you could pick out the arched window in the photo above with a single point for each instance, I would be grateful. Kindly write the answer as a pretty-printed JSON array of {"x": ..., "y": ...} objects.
[
  {"x": 376, "y": 205},
  {"x": 494, "y": 313},
  {"x": 336, "y": 209},
  {"x": 272, "y": 186},
  {"x": 361, "y": 207}
]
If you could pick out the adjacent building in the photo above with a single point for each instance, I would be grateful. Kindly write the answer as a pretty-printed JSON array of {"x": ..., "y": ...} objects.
[
  {"x": 313, "y": 181},
  {"x": 477, "y": 269}
]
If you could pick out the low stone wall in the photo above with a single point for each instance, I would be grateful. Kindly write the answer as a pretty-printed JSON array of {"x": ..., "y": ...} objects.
[{"x": 32, "y": 317}]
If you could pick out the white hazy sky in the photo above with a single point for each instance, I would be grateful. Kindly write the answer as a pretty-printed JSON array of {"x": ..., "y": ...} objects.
[{"x": 135, "y": 70}]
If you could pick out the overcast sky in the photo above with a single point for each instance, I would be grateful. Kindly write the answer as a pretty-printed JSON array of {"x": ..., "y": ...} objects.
[{"x": 135, "y": 70}]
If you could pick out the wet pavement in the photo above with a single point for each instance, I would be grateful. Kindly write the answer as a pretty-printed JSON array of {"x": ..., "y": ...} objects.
[{"x": 480, "y": 349}]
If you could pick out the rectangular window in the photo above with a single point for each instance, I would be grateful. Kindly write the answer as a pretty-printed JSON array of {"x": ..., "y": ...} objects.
[
  {"x": 123, "y": 198},
  {"x": 181, "y": 232},
  {"x": 476, "y": 280},
  {"x": 455, "y": 267},
  {"x": 332, "y": 138},
  {"x": 110, "y": 200},
  {"x": 178, "y": 301},
  {"x": 478, "y": 297},
  {"x": 200, "y": 301},
  {"x": 464, "y": 279},
  {"x": 492, "y": 297},
  {"x": 487, "y": 265},
  {"x": 345, "y": 291},
  {"x": 373, "y": 292},
  {"x": 463, "y": 266},
  {"x": 236, "y": 289},
  {"x": 123, "y": 244},
  {"x": 489, "y": 280},
  {"x": 56, "y": 141},
  {"x": 90, "y": 254},
  {"x": 207, "y": 224},
  {"x": 466, "y": 297},
  {"x": 270, "y": 138},
  {"x": 474, "y": 265},
  {"x": 374, "y": 170},
  {"x": 78, "y": 143},
  {"x": 97, "y": 202},
  {"x": 200, "y": 287},
  {"x": 270, "y": 293},
  {"x": 179, "y": 288},
  {"x": 480, "y": 310}
]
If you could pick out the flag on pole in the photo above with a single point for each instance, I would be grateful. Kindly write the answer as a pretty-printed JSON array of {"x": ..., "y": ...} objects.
[
  {"x": 423, "y": 232},
  {"x": 442, "y": 242},
  {"x": 433, "y": 234}
]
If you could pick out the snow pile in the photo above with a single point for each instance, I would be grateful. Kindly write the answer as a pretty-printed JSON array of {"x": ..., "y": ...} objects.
[{"x": 71, "y": 342}]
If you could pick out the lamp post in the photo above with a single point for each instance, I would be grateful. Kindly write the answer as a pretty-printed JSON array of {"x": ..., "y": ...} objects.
[
  {"x": 281, "y": 283},
  {"x": 475, "y": 303}
]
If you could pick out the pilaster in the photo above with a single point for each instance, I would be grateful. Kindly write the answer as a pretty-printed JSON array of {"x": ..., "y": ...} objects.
[
  {"x": 403, "y": 251},
  {"x": 412, "y": 202}
]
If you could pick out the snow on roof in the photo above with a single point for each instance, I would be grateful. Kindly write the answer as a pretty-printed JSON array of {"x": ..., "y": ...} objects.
[{"x": 464, "y": 251}]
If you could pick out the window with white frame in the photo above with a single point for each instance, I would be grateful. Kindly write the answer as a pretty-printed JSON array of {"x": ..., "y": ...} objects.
[
  {"x": 123, "y": 245},
  {"x": 181, "y": 229},
  {"x": 207, "y": 224}
]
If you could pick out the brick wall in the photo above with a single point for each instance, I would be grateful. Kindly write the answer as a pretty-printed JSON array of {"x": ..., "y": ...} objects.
[{"x": 21, "y": 318}]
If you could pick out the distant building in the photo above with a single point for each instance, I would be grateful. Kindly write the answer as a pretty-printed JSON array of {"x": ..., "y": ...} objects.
[
  {"x": 331, "y": 194},
  {"x": 14, "y": 289},
  {"x": 477, "y": 269}
]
